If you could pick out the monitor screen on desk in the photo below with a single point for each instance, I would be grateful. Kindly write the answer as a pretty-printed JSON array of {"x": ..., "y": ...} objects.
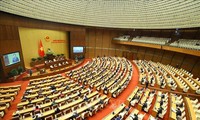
[
  {"x": 11, "y": 58},
  {"x": 78, "y": 49}
]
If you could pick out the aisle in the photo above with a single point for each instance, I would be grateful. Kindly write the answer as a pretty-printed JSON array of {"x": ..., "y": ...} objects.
[{"x": 13, "y": 107}]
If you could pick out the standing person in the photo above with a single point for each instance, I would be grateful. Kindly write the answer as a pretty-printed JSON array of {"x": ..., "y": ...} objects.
[
  {"x": 15, "y": 58},
  {"x": 30, "y": 72},
  {"x": 147, "y": 83}
]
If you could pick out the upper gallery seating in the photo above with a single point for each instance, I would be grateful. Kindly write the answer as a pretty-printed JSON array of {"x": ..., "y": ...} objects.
[
  {"x": 182, "y": 43},
  {"x": 122, "y": 38},
  {"x": 187, "y": 43},
  {"x": 109, "y": 74},
  {"x": 143, "y": 39},
  {"x": 151, "y": 40},
  {"x": 7, "y": 95},
  {"x": 57, "y": 97},
  {"x": 166, "y": 76}
]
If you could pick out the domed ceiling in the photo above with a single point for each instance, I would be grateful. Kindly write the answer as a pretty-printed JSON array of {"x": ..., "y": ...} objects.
[{"x": 140, "y": 14}]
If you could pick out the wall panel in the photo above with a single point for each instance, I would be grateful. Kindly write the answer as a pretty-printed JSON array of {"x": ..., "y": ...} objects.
[
  {"x": 98, "y": 52},
  {"x": 30, "y": 38},
  {"x": 106, "y": 39},
  {"x": 196, "y": 70},
  {"x": 149, "y": 54},
  {"x": 118, "y": 53},
  {"x": 112, "y": 35},
  {"x": 141, "y": 53},
  {"x": 92, "y": 38},
  {"x": 166, "y": 59},
  {"x": 105, "y": 52},
  {"x": 91, "y": 53},
  {"x": 77, "y": 38},
  {"x": 111, "y": 52},
  {"x": 87, "y": 50},
  {"x": 189, "y": 62},
  {"x": 9, "y": 42},
  {"x": 87, "y": 38},
  {"x": 177, "y": 59},
  {"x": 157, "y": 55},
  {"x": 98, "y": 37}
]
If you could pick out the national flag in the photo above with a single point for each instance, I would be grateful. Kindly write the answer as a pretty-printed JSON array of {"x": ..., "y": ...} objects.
[{"x": 41, "y": 49}]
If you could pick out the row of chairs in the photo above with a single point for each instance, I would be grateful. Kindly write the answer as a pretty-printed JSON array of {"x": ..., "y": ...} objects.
[
  {"x": 51, "y": 106},
  {"x": 116, "y": 72},
  {"x": 7, "y": 95},
  {"x": 44, "y": 79},
  {"x": 193, "y": 106},
  {"x": 149, "y": 73},
  {"x": 160, "y": 108},
  {"x": 188, "y": 77},
  {"x": 177, "y": 107},
  {"x": 166, "y": 76},
  {"x": 161, "y": 105},
  {"x": 183, "y": 83}
]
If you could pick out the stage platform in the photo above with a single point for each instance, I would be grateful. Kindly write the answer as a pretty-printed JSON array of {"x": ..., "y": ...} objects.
[{"x": 37, "y": 74}]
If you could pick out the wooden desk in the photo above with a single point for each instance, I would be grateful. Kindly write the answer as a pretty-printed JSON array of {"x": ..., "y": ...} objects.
[
  {"x": 8, "y": 95},
  {"x": 77, "y": 101},
  {"x": 46, "y": 104},
  {"x": 179, "y": 84},
  {"x": 6, "y": 101},
  {"x": 60, "y": 67},
  {"x": 135, "y": 111},
  {"x": 192, "y": 89},
  {"x": 82, "y": 109},
  {"x": 10, "y": 90},
  {"x": 192, "y": 113},
  {"x": 130, "y": 97},
  {"x": 61, "y": 108},
  {"x": 144, "y": 98},
  {"x": 115, "y": 112},
  {"x": 119, "y": 85},
  {"x": 8, "y": 87},
  {"x": 110, "y": 83},
  {"x": 172, "y": 115},
  {"x": 48, "y": 64},
  {"x": 3, "y": 108},
  {"x": 157, "y": 104},
  {"x": 196, "y": 81}
]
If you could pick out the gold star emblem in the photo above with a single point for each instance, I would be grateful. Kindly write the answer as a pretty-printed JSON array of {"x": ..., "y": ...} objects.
[{"x": 41, "y": 49}]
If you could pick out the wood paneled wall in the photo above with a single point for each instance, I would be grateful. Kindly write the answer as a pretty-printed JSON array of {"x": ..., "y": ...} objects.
[
  {"x": 77, "y": 38},
  {"x": 77, "y": 33},
  {"x": 9, "y": 42},
  {"x": 99, "y": 43}
]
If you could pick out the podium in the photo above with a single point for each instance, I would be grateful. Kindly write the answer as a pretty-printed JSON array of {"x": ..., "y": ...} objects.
[{"x": 50, "y": 56}]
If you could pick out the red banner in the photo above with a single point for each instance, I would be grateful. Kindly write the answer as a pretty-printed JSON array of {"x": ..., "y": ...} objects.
[{"x": 41, "y": 49}]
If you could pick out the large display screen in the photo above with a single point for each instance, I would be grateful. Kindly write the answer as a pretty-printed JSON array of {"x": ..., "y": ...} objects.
[
  {"x": 11, "y": 58},
  {"x": 78, "y": 49}
]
